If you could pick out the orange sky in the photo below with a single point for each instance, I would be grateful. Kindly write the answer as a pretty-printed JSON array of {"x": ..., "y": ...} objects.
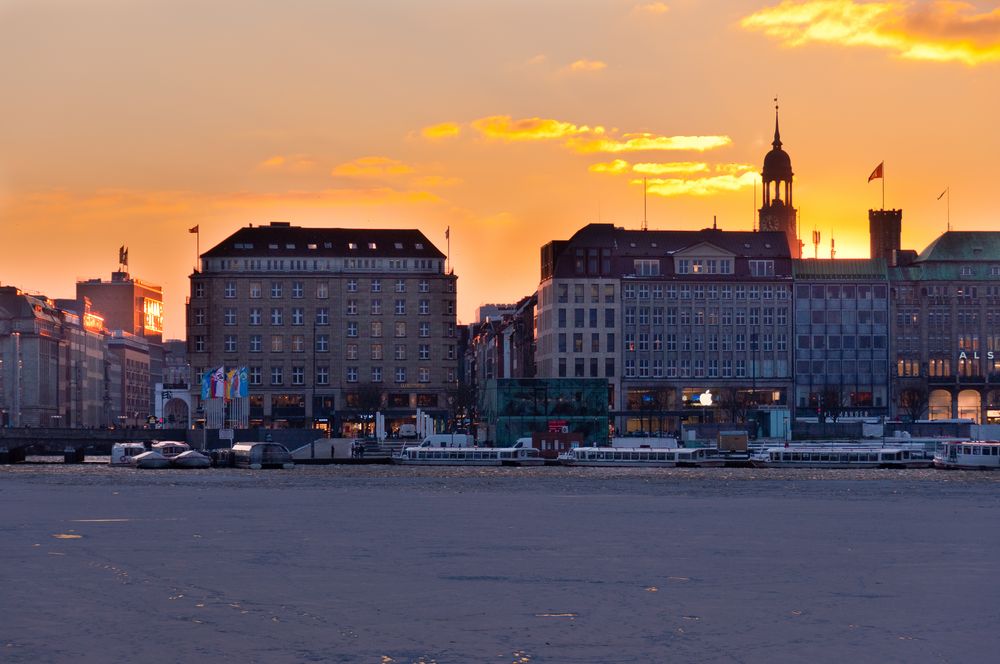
[{"x": 129, "y": 121}]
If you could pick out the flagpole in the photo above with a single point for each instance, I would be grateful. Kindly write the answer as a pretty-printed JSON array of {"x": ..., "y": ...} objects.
[
  {"x": 949, "y": 206},
  {"x": 883, "y": 185}
]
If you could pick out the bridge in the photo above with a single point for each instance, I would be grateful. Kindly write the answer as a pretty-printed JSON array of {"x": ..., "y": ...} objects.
[{"x": 55, "y": 440}]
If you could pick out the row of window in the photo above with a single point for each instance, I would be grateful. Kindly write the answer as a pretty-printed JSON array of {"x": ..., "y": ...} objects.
[
  {"x": 865, "y": 368},
  {"x": 840, "y": 342},
  {"x": 838, "y": 317},
  {"x": 840, "y": 292},
  {"x": 680, "y": 315},
  {"x": 632, "y": 291},
  {"x": 297, "y": 375},
  {"x": 276, "y": 289}
]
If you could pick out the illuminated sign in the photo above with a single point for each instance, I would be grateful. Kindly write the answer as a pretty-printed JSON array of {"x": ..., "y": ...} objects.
[
  {"x": 705, "y": 398},
  {"x": 93, "y": 322},
  {"x": 152, "y": 311},
  {"x": 974, "y": 355}
]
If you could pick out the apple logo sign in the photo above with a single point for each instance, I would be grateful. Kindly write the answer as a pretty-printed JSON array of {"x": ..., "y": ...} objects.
[{"x": 705, "y": 399}]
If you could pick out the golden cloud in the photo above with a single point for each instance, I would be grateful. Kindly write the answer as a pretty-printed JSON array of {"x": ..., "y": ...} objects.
[
  {"x": 432, "y": 181},
  {"x": 705, "y": 186},
  {"x": 942, "y": 31},
  {"x": 646, "y": 142},
  {"x": 671, "y": 167},
  {"x": 615, "y": 167},
  {"x": 441, "y": 130},
  {"x": 295, "y": 162},
  {"x": 585, "y": 65},
  {"x": 324, "y": 198},
  {"x": 651, "y": 8},
  {"x": 372, "y": 167},
  {"x": 589, "y": 140}
]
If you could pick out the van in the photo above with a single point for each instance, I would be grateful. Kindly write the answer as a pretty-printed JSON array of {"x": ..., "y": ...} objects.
[{"x": 447, "y": 440}]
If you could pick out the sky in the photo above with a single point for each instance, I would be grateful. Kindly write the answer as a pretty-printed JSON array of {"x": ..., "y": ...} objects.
[{"x": 128, "y": 122}]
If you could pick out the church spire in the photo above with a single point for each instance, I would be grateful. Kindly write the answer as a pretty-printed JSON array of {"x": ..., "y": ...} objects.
[{"x": 777, "y": 135}]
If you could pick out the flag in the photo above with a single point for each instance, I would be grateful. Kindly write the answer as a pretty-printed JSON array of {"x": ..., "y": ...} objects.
[
  {"x": 193, "y": 229},
  {"x": 219, "y": 383},
  {"x": 122, "y": 255},
  {"x": 206, "y": 385},
  {"x": 244, "y": 388},
  {"x": 943, "y": 193},
  {"x": 232, "y": 384},
  {"x": 877, "y": 173},
  {"x": 447, "y": 232}
]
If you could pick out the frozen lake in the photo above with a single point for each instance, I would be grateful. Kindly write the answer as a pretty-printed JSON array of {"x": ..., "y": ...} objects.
[{"x": 390, "y": 565}]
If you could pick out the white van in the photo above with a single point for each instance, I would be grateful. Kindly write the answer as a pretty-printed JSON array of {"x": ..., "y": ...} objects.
[{"x": 447, "y": 440}]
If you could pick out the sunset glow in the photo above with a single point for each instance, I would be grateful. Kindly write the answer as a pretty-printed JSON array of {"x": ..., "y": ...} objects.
[{"x": 510, "y": 132}]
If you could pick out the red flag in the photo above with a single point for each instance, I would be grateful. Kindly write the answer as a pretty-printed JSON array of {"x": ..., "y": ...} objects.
[
  {"x": 193, "y": 229},
  {"x": 877, "y": 173}
]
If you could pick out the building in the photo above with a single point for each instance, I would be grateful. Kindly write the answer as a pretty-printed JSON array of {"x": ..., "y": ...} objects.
[
  {"x": 331, "y": 323},
  {"x": 134, "y": 307},
  {"x": 130, "y": 356},
  {"x": 669, "y": 318},
  {"x": 777, "y": 212},
  {"x": 519, "y": 407},
  {"x": 945, "y": 329},
  {"x": 85, "y": 380},
  {"x": 841, "y": 337}
]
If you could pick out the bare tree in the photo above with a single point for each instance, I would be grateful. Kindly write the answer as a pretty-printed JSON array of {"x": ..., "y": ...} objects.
[
  {"x": 832, "y": 401},
  {"x": 370, "y": 398},
  {"x": 914, "y": 401},
  {"x": 735, "y": 403}
]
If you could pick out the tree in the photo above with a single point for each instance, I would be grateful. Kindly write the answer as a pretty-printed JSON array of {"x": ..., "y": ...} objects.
[
  {"x": 735, "y": 403},
  {"x": 913, "y": 401},
  {"x": 462, "y": 402},
  {"x": 831, "y": 402}
]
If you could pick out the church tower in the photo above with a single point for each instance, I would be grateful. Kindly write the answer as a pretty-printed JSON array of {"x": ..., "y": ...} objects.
[{"x": 777, "y": 213}]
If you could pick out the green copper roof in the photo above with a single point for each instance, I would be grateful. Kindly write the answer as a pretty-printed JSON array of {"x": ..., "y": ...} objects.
[
  {"x": 963, "y": 246},
  {"x": 839, "y": 268}
]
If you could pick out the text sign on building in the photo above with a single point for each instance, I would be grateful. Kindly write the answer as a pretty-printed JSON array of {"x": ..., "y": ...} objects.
[
  {"x": 152, "y": 311},
  {"x": 558, "y": 426},
  {"x": 974, "y": 355}
]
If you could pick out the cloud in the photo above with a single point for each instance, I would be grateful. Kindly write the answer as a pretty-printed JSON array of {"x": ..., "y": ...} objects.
[
  {"x": 323, "y": 198},
  {"x": 584, "y": 65},
  {"x": 441, "y": 130},
  {"x": 366, "y": 167},
  {"x": 703, "y": 186},
  {"x": 671, "y": 167},
  {"x": 941, "y": 31},
  {"x": 295, "y": 162},
  {"x": 656, "y": 8},
  {"x": 432, "y": 181},
  {"x": 589, "y": 140},
  {"x": 646, "y": 142},
  {"x": 535, "y": 60},
  {"x": 615, "y": 167}
]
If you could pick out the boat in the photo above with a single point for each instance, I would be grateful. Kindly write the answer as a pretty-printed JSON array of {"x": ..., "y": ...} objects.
[
  {"x": 969, "y": 455},
  {"x": 170, "y": 448},
  {"x": 261, "y": 455},
  {"x": 642, "y": 457},
  {"x": 151, "y": 459},
  {"x": 840, "y": 457},
  {"x": 191, "y": 459},
  {"x": 469, "y": 456},
  {"x": 123, "y": 454}
]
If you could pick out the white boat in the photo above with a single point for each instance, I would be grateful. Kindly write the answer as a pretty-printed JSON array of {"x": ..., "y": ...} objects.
[
  {"x": 262, "y": 455},
  {"x": 123, "y": 454},
  {"x": 151, "y": 460},
  {"x": 969, "y": 455},
  {"x": 191, "y": 459},
  {"x": 170, "y": 448},
  {"x": 642, "y": 457},
  {"x": 840, "y": 457},
  {"x": 469, "y": 456}
]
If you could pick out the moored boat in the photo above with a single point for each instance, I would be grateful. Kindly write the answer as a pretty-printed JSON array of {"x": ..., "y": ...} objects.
[
  {"x": 969, "y": 455},
  {"x": 191, "y": 459},
  {"x": 123, "y": 454},
  {"x": 261, "y": 455},
  {"x": 170, "y": 448},
  {"x": 151, "y": 459},
  {"x": 840, "y": 457},
  {"x": 642, "y": 457},
  {"x": 469, "y": 456}
]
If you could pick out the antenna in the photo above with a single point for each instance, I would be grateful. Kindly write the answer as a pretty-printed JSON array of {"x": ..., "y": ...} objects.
[
  {"x": 753, "y": 212},
  {"x": 833, "y": 249},
  {"x": 645, "y": 224},
  {"x": 715, "y": 224},
  {"x": 816, "y": 240}
]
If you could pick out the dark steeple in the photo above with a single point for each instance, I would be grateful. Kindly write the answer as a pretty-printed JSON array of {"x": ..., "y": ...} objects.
[{"x": 777, "y": 213}]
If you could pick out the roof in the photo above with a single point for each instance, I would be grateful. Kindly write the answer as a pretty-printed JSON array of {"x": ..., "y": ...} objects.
[
  {"x": 652, "y": 243},
  {"x": 963, "y": 246},
  {"x": 839, "y": 268},
  {"x": 283, "y": 239}
]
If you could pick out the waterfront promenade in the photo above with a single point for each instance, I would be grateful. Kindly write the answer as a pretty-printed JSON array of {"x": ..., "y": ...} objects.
[{"x": 389, "y": 564}]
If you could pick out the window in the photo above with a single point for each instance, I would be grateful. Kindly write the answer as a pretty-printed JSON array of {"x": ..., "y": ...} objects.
[
  {"x": 254, "y": 374},
  {"x": 323, "y": 316},
  {"x": 562, "y": 342},
  {"x": 352, "y": 374},
  {"x": 322, "y": 375},
  {"x": 425, "y": 329},
  {"x": 352, "y": 328},
  {"x": 375, "y": 329},
  {"x": 424, "y": 375},
  {"x": 298, "y": 316},
  {"x": 424, "y": 352},
  {"x": 400, "y": 328},
  {"x": 323, "y": 290},
  {"x": 298, "y": 376},
  {"x": 275, "y": 289},
  {"x": 255, "y": 316},
  {"x": 376, "y": 306},
  {"x": 276, "y": 376},
  {"x": 199, "y": 344},
  {"x": 275, "y": 316},
  {"x": 400, "y": 374},
  {"x": 199, "y": 289},
  {"x": 400, "y": 308},
  {"x": 400, "y": 285},
  {"x": 256, "y": 343},
  {"x": 399, "y": 352},
  {"x": 277, "y": 343},
  {"x": 425, "y": 307},
  {"x": 762, "y": 268},
  {"x": 229, "y": 316},
  {"x": 351, "y": 351},
  {"x": 376, "y": 285},
  {"x": 298, "y": 343},
  {"x": 423, "y": 286},
  {"x": 229, "y": 292},
  {"x": 352, "y": 307},
  {"x": 229, "y": 344},
  {"x": 255, "y": 290},
  {"x": 297, "y": 289},
  {"x": 376, "y": 374},
  {"x": 647, "y": 267},
  {"x": 199, "y": 316},
  {"x": 352, "y": 286}
]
